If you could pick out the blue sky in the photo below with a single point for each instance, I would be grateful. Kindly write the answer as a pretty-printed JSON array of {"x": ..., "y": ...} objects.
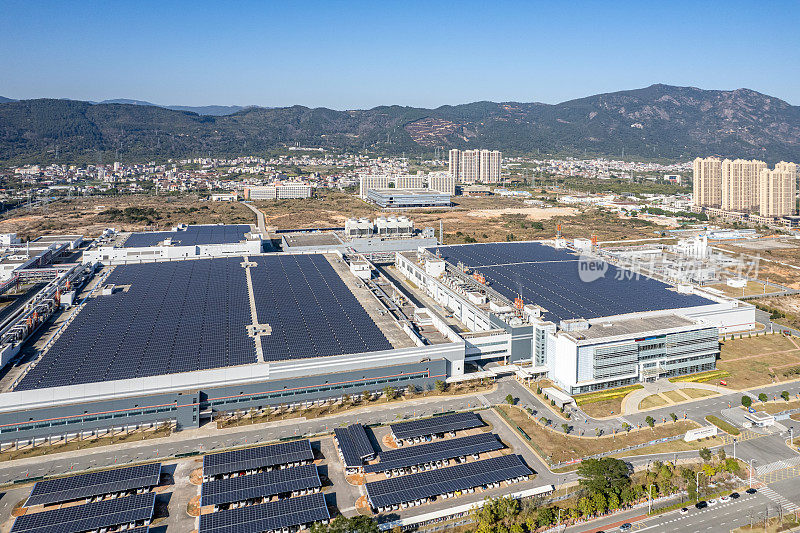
[{"x": 356, "y": 54}]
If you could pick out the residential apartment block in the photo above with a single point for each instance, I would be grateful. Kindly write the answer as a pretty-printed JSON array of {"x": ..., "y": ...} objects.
[
  {"x": 379, "y": 181},
  {"x": 282, "y": 191},
  {"x": 778, "y": 190},
  {"x": 475, "y": 166},
  {"x": 442, "y": 182},
  {"x": 745, "y": 186}
]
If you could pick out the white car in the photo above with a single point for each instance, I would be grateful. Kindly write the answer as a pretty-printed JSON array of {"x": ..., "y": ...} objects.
[
  {"x": 685, "y": 510},
  {"x": 712, "y": 502},
  {"x": 724, "y": 499}
]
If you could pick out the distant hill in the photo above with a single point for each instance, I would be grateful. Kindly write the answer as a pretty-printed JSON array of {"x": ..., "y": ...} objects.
[
  {"x": 659, "y": 121},
  {"x": 4, "y": 99},
  {"x": 215, "y": 110}
]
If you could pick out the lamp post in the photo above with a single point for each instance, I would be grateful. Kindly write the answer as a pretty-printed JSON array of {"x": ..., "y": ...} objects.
[
  {"x": 697, "y": 482},
  {"x": 751, "y": 472},
  {"x": 650, "y": 499},
  {"x": 734, "y": 448}
]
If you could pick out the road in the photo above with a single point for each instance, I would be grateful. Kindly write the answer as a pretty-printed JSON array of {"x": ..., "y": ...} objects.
[{"x": 260, "y": 224}]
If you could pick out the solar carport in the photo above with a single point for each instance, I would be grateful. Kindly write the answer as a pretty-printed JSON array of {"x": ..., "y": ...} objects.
[
  {"x": 94, "y": 484},
  {"x": 261, "y": 485},
  {"x": 435, "y": 425},
  {"x": 130, "y": 510},
  {"x": 435, "y": 452},
  {"x": 271, "y": 516},
  {"x": 276, "y": 455},
  {"x": 415, "y": 489}
]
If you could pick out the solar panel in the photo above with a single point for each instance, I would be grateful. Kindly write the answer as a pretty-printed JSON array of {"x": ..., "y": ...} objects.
[
  {"x": 397, "y": 490},
  {"x": 437, "y": 424},
  {"x": 261, "y": 485},
  {"x": 89, "y": 517},
  {"x": 354, "y": 444},
  {"x": 175, "y": 316},
  {"x": 259, "y": 457},
  {"x": 270, "y": 516},
  {"x": 550, "y": 278},
  {"x": 191, "y": 236},
  {"x": 94, "y": 484},
  {"x": 435, "y": 451}
]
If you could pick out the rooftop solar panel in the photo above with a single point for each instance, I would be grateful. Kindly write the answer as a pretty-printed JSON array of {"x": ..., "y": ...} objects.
[
  {"x": 175, "y": 316},
  {"x": 261, "y": 485},
  {"x": 94, "y": 484},
  {"x": 88, "y": 517},
  {"x": 549, "y": 277},
  {"x": 315, "y": 313},
  {"x": 259, "y": 457},
  {"x": 354, "y": 444},
  {"x": 191, "y": 236},
  {"x": 437, "y": 424},
  {"x": 397, "y": 490},
  {"x": 435, "y": 451},
  {"x": 270, "y": 516}
]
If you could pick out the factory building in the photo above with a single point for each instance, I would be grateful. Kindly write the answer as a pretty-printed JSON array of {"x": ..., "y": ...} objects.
[{"x": 407, "y": 198}]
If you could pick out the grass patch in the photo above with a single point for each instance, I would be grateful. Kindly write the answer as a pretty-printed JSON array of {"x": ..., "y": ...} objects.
[
  {"x": 604, "y": 395},
  {"x": 557, "y": 447},
  {"x": 777, "y": 406},
  {"x": 701, "y": 377},
  {"x": 721, "y": 424},
  {"x": 698, "y": 393},
  {"x": 755, "y": 371},
  {"x": 675, "y": 396},
  {"x": 755, "y": 345},
  {"x": 603, "y": 409},
  {"x": 673, "y": 447},
  {"x": 652, "y": 401}
]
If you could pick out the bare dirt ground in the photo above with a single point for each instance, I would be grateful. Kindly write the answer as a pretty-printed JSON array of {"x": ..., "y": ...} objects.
[
  {"x": 788, "y": 305},
  {"x": 769, "y": 270},
  {"x": 91, "y": 215},
  {"x": 469, "y": 220}
]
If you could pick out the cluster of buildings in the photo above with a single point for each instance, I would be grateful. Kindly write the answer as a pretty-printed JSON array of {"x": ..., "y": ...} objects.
[
  {"x": 407, "y": 190},
  {"x": 745, "y": 189},
  {"x": 475, "y": 166}
]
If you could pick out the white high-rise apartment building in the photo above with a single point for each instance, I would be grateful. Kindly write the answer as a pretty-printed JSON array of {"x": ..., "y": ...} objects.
[
  {"x": 707, "y": 182},
  {"x": 778, "y": 190},
  {"x": 740, "y": 184},
  {"x": 372, "y": 182},
  {"x": 471, "y": 166},
  {"x": 442, "y": 182},
  {"x": 410, "y": 181}
]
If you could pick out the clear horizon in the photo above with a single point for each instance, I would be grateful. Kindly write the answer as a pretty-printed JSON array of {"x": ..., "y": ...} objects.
[{"x": 355, "y": 56}]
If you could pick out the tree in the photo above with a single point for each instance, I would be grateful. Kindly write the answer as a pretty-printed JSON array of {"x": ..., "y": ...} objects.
[
  {"x": 366, "y": 395},
  {"x": 650, "y": 421},
  {"x": 626, "y": 426},
  {"x": 762, "y": 397},
  {"x": 604, "y": 475},
  {"x": 497, "y": 512},
  {"x": 747, "y": 401},
  {"x": 389, "y": 392},
  {"x": 586, "y": 506},
  {"x": 732, "y": 465},
  {"x": 785, "y": 396},
  {"x": 546, "y": 516},
  {"x": 341, "y": 524},
  {"x": 691, "y": 488},
  {"x": 599, "y": 502},
  {"x": 565, "y": 427},
  {"x": 674, "y": 417},
  {"x": 440, "y": 385},
  {"x": 705, "y": 454},
  {"x": 613, "y": 501},
  {"x": 722, "y": 455},
  {"x": 510, "y": 399}
]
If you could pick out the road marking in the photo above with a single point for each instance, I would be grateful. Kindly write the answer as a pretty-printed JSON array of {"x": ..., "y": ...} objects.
[{"x": 779, "y": 499}]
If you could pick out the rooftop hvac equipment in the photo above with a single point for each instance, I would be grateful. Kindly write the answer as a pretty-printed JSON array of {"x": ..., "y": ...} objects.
[
  {"x": 575, "y": 324},
  {"x": 499, "y": 308}
]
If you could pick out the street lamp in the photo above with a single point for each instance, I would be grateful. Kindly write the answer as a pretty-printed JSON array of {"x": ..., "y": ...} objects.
[
  {"x": 734, "y": 449},
  {"x": 697, "y": 483},
  {"x": 650, "y": 499},
  {"x": 751, "y": 472}
]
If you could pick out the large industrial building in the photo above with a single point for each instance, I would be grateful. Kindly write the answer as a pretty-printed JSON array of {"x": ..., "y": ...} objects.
[{"x": 181, "y": 339}]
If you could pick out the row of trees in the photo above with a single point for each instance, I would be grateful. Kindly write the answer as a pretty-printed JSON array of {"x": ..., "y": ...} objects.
[{"x": 747, "y": 401}]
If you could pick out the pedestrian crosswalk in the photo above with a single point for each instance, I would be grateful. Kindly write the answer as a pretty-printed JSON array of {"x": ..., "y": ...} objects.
[
  {"x": 777, "y": 465},
  {"x": 786, "y": 505},
  {"x": 741, "y": 437}
]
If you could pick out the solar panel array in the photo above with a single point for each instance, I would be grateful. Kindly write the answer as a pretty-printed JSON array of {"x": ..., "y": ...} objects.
[
  {"x": 267, "y": 516},
  {"x": 397, "y": 490},
  {"x": 437, "y": 424},
  {"x": 549, "y": 277},
  {"x": 176, "y": 316},
  {"x": 88, "y": 517},
  {"x": 310, "y": 309},
  {"x": 191, "y": 236},
  {"x": 94, "y": 484},
  {"x": 261, "y": 485},
  {"x": 259, "y": 457},
  {"x": 435, "y": 451},
  {"x": 354, "y": 444}
]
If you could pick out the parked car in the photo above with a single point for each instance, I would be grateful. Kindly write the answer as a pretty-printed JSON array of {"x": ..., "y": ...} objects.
[
  {"x": 724, "y": 499},
  {"x": 685, "y": 510},
  {"x": 751, "y": 490},
  {"x": 702, "y": 504},
  {"x": 712, "y": 501},
  {"x": 734, "y": 495}
]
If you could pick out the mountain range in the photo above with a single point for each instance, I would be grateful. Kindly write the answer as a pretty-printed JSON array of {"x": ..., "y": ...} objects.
[{"x": 656, "y": 122}]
